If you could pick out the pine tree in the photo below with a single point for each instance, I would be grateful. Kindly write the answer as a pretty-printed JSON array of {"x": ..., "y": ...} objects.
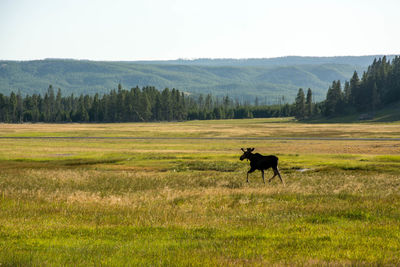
[
  {"x": 20, "y": 107},
  {"x": 375, "y": 98},
  {"x": 51, "y": 115},
  {"x": 81, "y": 115},
  {"x": 12, "y": 107},
  {"x": 393, "y": 83},
  {"x": 309, "y": 105},
  {"x": 58, "y": 107},
  {"x": 300, "y": 109},
  {"x": 346, "y": 93},
  {"x": 145, "y": 109},
  {"x": 166, "y": 105},
  {"x": 208, "y": 103},
  {"x": 333, "y": 102},
  {"x": 3, "y": 108},
  {"x": 94, "y": 113},
  {"x": 354, "y": 89}
]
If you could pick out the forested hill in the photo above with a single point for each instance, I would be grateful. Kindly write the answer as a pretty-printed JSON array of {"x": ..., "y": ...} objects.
[
  {"x": 277, "y": 61},
  {"x": 269, "y": 79}
]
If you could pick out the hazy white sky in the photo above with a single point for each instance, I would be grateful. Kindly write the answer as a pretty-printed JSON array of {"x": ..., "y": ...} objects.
[{"x": 170, "y": 29}]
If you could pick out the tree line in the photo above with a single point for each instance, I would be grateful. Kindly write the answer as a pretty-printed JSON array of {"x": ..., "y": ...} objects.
[
  {"x": 134, "y": 105},
  {"x": 378, "y": 87}
]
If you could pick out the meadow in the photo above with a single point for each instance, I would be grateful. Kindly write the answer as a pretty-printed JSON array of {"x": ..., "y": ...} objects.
[{"x": 180, "y": 202}]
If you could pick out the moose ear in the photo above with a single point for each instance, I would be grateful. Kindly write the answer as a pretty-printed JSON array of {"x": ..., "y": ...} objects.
[
  {"x": 252, "y": 149},
  {"x": 242, "y": 149}
]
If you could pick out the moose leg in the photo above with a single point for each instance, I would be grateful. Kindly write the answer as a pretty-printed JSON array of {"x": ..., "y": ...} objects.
[
  {"x": 250, "y": 171},
  {"x": 270, "y": 179},
  {"x": 262, "y": 172},
  {"x": 279, "y": 175},
  {"x": 276, "y": 172}
]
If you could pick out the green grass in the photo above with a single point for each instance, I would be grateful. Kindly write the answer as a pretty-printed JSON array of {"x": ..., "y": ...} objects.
[
  {"x": 388, "y": 114},
  {"x": 186, "y": 202}
]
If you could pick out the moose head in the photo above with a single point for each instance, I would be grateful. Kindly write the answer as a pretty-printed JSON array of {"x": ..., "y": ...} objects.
[{"x": 246, "y": 153}]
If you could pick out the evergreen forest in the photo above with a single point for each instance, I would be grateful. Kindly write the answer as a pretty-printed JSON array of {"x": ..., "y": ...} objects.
[
  {"x": 134, "y": 105},
  {"x": 378, "y": 87}
]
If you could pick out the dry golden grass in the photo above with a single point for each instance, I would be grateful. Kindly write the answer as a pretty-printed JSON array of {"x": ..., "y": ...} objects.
[
  {"x": 185, "y": 202},
  {"x": 223, "y": 128}
]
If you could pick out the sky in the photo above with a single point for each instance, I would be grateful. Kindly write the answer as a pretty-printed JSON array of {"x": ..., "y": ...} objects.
[{"x": 172, "y": 29}]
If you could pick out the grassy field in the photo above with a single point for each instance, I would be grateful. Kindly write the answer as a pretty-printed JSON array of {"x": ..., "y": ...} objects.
[{"x": 86, "y": 202}]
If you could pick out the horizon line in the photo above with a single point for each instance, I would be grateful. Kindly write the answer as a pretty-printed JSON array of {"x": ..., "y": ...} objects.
[{"x": 195, "y": 58}]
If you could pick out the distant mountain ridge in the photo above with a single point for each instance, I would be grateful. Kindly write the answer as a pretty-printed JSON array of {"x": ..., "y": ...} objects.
[
  {"x": 362, "y": 61},
  {"x": 269, "y": 79}
]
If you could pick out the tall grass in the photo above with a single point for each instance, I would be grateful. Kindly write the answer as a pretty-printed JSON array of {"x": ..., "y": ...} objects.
[{"x": 186, "y": 202}]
